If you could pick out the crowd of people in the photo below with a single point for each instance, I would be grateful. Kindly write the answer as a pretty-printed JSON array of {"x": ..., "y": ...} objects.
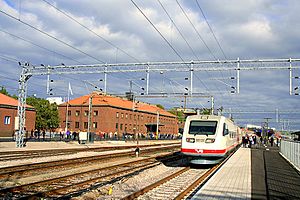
[
  {"x": 254, "y": 140},
  {"x": 43, "y": 135}
]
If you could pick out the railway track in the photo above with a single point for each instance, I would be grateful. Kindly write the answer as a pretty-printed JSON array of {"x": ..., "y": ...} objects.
[
  {"x": 56, "y": 187},
  {"x": 8, "y": 173},
  {"x": 76, "y": 184},
  {"x": 18, "y": 155},
  {"x": 178, "y": 185}
]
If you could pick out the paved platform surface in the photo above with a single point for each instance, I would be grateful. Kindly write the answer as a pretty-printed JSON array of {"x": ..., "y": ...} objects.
[{"x": 257, "y": 173}]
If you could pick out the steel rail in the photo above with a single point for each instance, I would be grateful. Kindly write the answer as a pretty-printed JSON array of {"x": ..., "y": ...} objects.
[
  {"x": 21, "y": 189},
  {"x": 13, "y": 155},
  {"x": 150, "y": 187},
  {"x": 7, "y": 172},
  {"x": 203, "y": 178}
]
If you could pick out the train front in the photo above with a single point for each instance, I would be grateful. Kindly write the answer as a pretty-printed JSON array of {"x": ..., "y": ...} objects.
[{"x": 202, "y": 139}]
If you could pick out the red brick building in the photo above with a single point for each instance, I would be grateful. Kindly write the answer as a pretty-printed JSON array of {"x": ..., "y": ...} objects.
[
  {"x": 116, "y": 114},
  {"x": 8, "y": 112}
]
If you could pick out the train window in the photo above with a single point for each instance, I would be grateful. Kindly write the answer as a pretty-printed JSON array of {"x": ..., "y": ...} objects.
[
  {"x": 225, "y": 130},
  {"x": 203, "y": 127}
]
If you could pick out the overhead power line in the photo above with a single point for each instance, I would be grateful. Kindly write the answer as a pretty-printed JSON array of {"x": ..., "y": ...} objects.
[
  {"x": 30, "y": 42},
  {"x": 51, "y": 36},
  {"x": 7, "y": 58},
  {"x": 157, "y": 30},
  {"x": 187, "y": 43},
  {"x": 90, "y": 30},
  {"x": 211, "y": 30},
  {"x": 199, "y": 35}
]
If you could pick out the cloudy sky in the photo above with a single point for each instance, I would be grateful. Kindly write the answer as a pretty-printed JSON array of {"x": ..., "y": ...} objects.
[{"x": 115, "y": 31}]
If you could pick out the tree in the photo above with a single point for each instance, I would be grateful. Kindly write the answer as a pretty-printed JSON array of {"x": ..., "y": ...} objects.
[
  {"x": 4, "y": 91},
  {"x": 46, "y": 114},
  {"x": 179, "y": 114},
  {"x": 160, "y": 106}
]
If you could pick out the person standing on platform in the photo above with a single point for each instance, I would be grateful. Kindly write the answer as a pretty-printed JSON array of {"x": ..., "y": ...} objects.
[
  {"x": 44, "y": 134},
  {"x": 250, "y": 141},
  {"x": 272, "y": 140},
  {"x": 244, "y": 141}
]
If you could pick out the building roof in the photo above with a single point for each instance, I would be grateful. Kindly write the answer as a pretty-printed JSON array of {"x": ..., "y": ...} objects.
[
  {"x": 107, "y": 100},
  {"x": 9, "y": 101}
]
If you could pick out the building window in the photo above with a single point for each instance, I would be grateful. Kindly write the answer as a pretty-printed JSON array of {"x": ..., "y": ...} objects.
[
  {"x": 126, "y": 115},
  {"x": 142, "y": 117},
  {"x": 85, "y": 125},
  {"x": 7, "y": 120},
  {"x": 76, "y": 124},
  {"x": 117, "y": 115},
  {"x": 69, "y": 112},
  {"x": 96, "y": 113},
  {"x": 122, "y": 115},
  {"x": 121, "y": 126},
  {"x": 95, "y": 124},
  {"x": 86, "y": 113},
  {"x": 117, "y": 126},
  {"x": 77, "y": 113}
]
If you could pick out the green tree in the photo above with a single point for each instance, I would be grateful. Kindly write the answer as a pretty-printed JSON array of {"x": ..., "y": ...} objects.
[
  {"x": 206, "y": 111},
  {"x": 46, "y": 114},
  {"x": 179, "y": 114},
  {"x": 160, "y": 106},
  {"x": 4, "y": 91}
]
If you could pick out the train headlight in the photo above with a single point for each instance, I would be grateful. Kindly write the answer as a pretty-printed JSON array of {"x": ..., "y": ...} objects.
[
  {"x": 209, "y": 140},
  {"x": 191, "y": 140}
]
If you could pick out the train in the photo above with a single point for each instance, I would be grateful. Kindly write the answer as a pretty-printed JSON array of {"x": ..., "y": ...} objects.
[{"x": 208, "y": 139}]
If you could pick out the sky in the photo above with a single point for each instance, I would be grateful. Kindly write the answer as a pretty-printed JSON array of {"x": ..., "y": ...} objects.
[{"x": 76, "y": 32}]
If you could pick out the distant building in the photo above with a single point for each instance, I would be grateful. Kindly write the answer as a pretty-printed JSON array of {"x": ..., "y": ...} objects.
[
  {"x": 252, "y": 126},
  {"x": 8, "y": 112},
  {"x": 57, "y": 100},
  {"x": 111, "y": 114}
]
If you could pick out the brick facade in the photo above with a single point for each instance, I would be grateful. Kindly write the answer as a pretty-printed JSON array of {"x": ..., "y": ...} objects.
[
  {"x": 117, "y": 118},
  {"x": 7, "y": 119}
]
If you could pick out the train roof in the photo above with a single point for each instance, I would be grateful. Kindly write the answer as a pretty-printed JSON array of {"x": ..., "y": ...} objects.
[{"x": 208, "y": 117}]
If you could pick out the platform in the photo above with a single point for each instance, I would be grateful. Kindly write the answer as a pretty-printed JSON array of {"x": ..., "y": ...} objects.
[{"x": 257, "y": 173}]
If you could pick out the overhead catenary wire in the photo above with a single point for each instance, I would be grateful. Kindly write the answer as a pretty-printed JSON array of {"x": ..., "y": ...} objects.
[
  {"x": 192, "y": 50},
  {"x": 181, "y": 34},
  {"x": 93, "y": 32},
  {"x": 51, "y": 36},
  {"x": 211, "y": 30},
  {"x": 199, "y": 35},
  {"x": 161, "y": 35},
  {"x": 37, "y": 45},
  {"x": 9, "y": 59}
]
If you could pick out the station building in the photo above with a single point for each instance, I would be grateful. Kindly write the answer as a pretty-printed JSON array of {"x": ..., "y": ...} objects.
[
  {"x": 8, "y": 112},
  {"x": 116, "y": 115}
]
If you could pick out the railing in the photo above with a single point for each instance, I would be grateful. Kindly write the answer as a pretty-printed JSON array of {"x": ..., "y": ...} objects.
[{"x": 291, "y": 151}]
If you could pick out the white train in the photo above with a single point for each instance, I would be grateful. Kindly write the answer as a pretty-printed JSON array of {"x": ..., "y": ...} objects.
[{"x": 207, "y": 139}]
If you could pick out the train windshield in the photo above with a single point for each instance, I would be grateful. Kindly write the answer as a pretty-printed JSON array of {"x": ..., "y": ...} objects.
[{"x": 203, "y": 127}]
